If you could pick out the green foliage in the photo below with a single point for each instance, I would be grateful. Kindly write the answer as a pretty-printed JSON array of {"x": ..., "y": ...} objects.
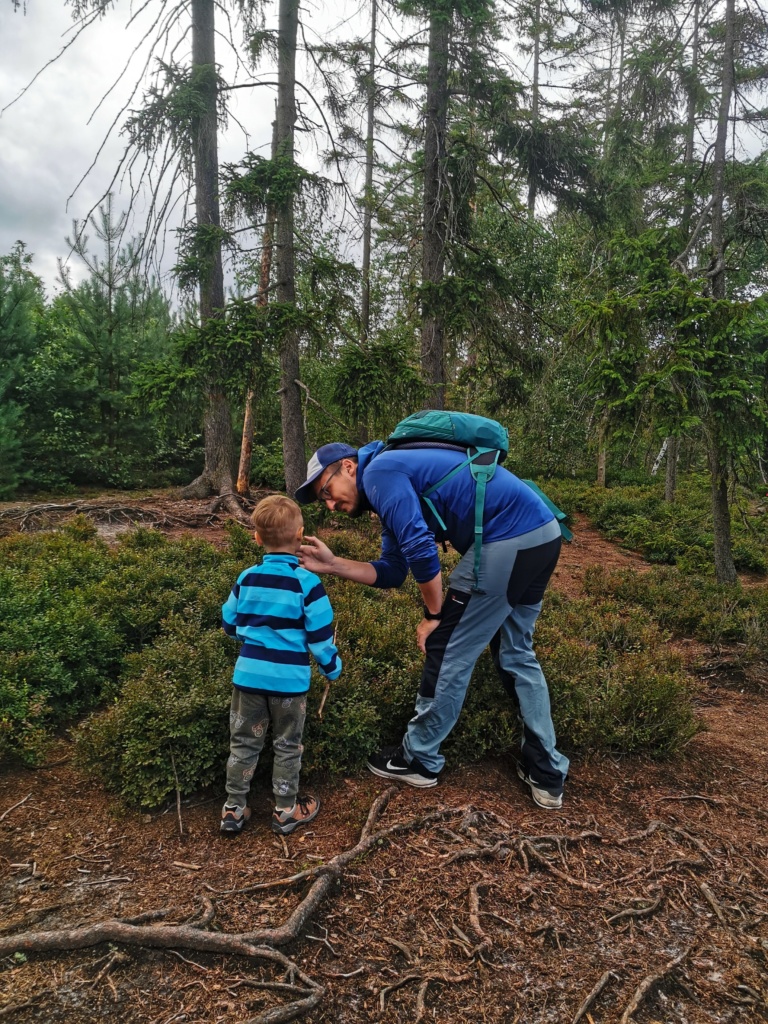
[
  {"x": 267, "y": 468},
  {"x": 199, "y": 248},
  {"x": 70, "y": 412},
  {"x": 170, "y": 720},
  {"x": 134, "y": 630},
  {"x": 374, "y": 380},
  {"x": 691, "y": 605},
  {"x": 20, "y": 303},
  {"x": 57, "y": 650},
  {"x": 256, "y": 183},
  {"x": 174, "y": 105},
  {"x": 614, "y": 683},
  {"x": 678, "y": 532}
]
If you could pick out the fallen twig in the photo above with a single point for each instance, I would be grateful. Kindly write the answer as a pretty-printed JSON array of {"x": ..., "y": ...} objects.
[
  {"x": 399, "y": 945},
  {"x": 709, "y": 896},
  {"x": 593, "y": 994},
  {"x": 526, "y": 847},
  {"x": 649, "y": 983},
  {"x": 5, "y": 814},
  {"x": 178, "y": 794},
  {"x": 641, "y": 912}
]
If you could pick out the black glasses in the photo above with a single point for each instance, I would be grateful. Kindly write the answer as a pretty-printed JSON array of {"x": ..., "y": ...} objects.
[{"x": 323, "y": 494}]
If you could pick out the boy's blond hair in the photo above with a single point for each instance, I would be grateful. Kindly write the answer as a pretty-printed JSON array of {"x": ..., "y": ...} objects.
[{"x": 277, "y": 520}]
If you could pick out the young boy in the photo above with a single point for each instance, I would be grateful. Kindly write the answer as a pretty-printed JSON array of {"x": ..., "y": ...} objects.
[{"x": 280, "y": 613}]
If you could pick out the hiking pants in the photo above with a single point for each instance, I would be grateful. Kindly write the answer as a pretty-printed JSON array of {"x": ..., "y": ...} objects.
[
  {"x": 249, "y": 718},
  {"x": 513, "y": 576}
]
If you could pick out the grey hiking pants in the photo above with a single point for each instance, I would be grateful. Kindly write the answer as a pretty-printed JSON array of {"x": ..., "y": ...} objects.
[
  {"x": 249, "y": 718},
  {"x": 513, "y": 576}
]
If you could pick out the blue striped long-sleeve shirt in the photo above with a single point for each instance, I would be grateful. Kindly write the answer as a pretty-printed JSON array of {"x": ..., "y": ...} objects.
[{"x": 280, "y": 612}]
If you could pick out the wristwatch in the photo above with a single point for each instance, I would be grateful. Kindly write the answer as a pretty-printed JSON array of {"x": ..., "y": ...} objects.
[{"x": 432, "y": 616}]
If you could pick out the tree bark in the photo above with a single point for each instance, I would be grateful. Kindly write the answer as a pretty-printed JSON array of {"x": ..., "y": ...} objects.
[
  {"x": 719, "y": 157},
  {"x": 725, "y": 570},
  {"x": 602, "y": 445},
  {"x": 265, "y": 271},
  {"x": 285, "y": 290},
  {"x": 216, "y": 477},
  {"x": 365, "y": 303},
  {"x": 670, "y": 479},
  {"x": 690, "y": 126},
  {"x": 435, "y": 210},
  {"x": 534, "y": 105}
]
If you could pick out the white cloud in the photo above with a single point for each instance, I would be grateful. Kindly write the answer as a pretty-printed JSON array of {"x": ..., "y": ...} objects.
[{"x": 46, "y": 141}]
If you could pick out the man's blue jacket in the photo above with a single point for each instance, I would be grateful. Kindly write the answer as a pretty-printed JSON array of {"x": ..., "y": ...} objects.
[{"x": 390, "y": 483}]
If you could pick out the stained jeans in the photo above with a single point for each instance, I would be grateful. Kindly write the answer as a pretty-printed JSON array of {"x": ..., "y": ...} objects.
[{"x": 513, "y": 576}]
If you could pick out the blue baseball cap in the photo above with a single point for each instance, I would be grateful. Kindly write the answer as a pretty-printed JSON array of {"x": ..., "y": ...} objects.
[{"x": 322, "y": 458}]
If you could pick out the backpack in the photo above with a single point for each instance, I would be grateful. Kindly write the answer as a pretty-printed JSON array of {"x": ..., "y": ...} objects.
[{"x": 485, "y": 443}]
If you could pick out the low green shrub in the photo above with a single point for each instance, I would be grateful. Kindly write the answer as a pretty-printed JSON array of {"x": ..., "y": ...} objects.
[
  {"x": 134, "y": 630},
  {"x": 170, "y": 720},
  {"x": 690, "y": 605},
  {"x": 614, "y": 683}
]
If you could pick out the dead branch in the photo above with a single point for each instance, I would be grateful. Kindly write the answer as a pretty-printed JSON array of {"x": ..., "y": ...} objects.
[
  {"x": 709, "y": 896},
  {"x": 474, "y": 916},
  {"x": 425, "y": 979},
  {"x": 641, "y": 912},
  {"x": 470, "y": 853},
  {"x": 288, "y": 1012},
  {"x": 593, "y": 994},
  {"x": 647, "y": 984},
  {"x": 13, "y": 807},
  {"x": 399, "y": 945},
  {"x": 654, "y": 825},
  {"x": 334, "y": 867},
  {"x": 527, "y": 847},
  {"x": 257, "y": 944},
  {"x": 178, "y": 794}
]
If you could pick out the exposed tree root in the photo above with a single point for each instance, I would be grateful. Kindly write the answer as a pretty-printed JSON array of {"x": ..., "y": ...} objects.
[{"x": 258, "y": 944}]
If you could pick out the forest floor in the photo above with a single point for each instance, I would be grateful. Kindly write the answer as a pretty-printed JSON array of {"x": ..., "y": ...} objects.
[{"x": 645, "y": 899}]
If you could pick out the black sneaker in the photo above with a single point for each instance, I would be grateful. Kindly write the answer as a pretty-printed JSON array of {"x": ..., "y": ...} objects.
[
  {"x": 543, "y": 798},
  {"x": 234, "y": 819},
  {"x": 390, "y": 763}
]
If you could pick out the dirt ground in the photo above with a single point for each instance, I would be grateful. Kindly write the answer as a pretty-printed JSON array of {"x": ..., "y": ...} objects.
[{"x": 645, "y": 899}]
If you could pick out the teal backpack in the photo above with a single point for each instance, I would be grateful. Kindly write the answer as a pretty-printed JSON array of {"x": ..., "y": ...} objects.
[{"x": 486, "y": 444}]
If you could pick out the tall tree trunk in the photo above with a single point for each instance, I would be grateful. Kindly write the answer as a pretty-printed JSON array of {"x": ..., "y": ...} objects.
[
  {"x": 690, "y": 125},
  {"x": 719, "y": 470},
  {"x": 670, "y": 478},
  {"x": 435, "y": 210},
  {"x": 534, "y": 105},
  {"x": 365, "y": 304},
  {"x": 602, "y": 448},
  {"x": 265, "y": 271},
  {"x": 217, "y": 424},
  {"x": 717, "y": 456},
  {"x": 285, "y": 285}
]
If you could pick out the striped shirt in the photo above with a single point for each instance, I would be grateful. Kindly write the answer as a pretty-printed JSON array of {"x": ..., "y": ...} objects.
[{"x": 280, "y": 613}]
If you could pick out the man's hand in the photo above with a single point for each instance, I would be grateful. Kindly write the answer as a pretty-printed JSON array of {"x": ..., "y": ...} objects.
[
  {"x": 423, "y": 630},
  {"x": 316, "y": 556}
]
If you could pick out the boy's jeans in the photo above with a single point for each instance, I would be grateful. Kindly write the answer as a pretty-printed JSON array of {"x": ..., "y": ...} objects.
[
  {"x": 249, "y": 718},
  {"x": 473, "y": 620}
]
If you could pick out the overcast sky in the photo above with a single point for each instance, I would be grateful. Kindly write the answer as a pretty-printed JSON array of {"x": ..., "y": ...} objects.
[{"x": 46, "y": 141}]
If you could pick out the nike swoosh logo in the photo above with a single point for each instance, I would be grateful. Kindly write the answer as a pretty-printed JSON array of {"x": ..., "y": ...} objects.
[{"x": 394, "y": 767}]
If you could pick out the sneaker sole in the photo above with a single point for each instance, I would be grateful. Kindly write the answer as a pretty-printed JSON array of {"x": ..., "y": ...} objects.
[
  {"x": 291, "y": 826},
  {"x": 412, "y": 780}
]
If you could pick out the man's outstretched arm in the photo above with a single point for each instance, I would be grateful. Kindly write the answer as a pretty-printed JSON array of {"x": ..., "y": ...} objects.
[{"x": 318, "y": 557}]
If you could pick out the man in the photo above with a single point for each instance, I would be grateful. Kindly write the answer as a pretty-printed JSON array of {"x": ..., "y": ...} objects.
[{"x": 521, "y": 545}]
